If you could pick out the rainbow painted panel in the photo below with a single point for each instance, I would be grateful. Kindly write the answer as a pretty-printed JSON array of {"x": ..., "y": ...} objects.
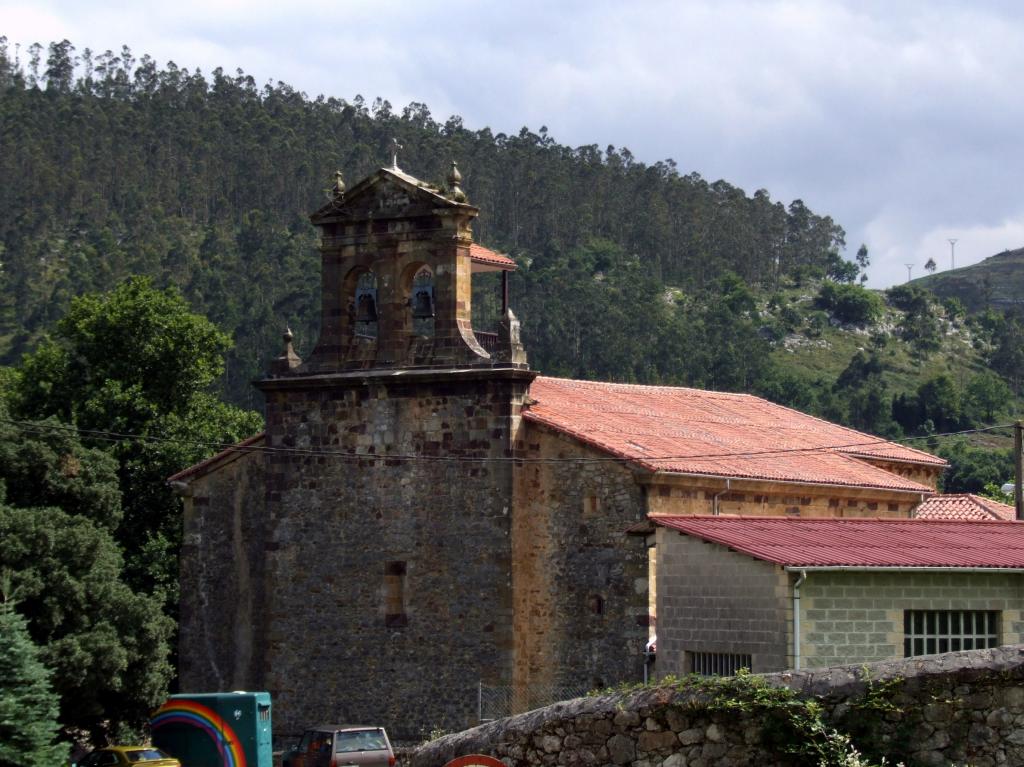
[{"x": 215, "y": 729}]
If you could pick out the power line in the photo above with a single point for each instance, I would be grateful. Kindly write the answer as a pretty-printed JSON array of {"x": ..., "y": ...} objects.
[{"x": 111, "y": 436}]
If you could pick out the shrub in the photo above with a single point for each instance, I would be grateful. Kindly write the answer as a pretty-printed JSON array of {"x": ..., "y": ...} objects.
[{"x": 850, "y": 304}]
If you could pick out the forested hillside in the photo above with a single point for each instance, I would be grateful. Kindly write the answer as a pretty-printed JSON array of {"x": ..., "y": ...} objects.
[
  {"x": 995, "y": 283},
  {"x": 117, "y": 166}
]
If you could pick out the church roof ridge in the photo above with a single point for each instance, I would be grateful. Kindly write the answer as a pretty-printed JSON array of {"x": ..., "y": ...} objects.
[{"x": 699, "y": 432}]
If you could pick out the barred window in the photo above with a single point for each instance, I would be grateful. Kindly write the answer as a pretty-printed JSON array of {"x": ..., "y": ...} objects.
[
  {"x": 716, "y": 663},
  {"x": 926, "y": 632}
]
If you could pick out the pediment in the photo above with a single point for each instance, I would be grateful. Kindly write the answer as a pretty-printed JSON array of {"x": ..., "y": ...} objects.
[{"x": 388, "y": 193}]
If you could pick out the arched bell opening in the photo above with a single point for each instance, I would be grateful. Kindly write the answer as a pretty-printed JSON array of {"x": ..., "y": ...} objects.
[
  {"x": 422, "y": 306},
  {"x": 363, "y": 304}
]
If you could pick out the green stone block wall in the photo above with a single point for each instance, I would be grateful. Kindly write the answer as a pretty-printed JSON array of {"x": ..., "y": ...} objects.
[{"x": 851, "y": 617}]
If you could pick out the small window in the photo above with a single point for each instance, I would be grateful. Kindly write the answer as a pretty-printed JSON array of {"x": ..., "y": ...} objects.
[
  {"x": 394, "y": 595},
  {"x": 927, "y": 632},
  {"x": 717, "y": 663},
  {"x": 596, "y": 604}
]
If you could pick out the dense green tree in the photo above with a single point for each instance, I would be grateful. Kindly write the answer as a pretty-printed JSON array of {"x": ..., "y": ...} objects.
[
  {"x": 1007, "y": 357},
  {"x": 920, "y": 324},
  {"x": 849, "y": 304},
  {"x": 792, "y": 390},
  {"x": 136, "y": 362},
  {"x": 726, "y": 345},
  {"x": 987, "y": 396},
  {"x": 28, "y": 705},
  {"x": 136, "y": 349},
  {"x": 940, "y": 401},
  {"x": 995, "y": 492},
  {"x": 909, "y": 298},
  {"x": 954, "y": 308},
  {"x": 938, "y": 405},
  {"x": 44, "y": 464},
  {"x": 617, "y": 318},
  {"x": 860, "y": 396},
  {"x": 972, "y": 468},
  {"x": 108, "y": 646}
]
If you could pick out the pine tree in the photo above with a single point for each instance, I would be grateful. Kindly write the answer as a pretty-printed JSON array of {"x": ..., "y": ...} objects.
[{"x": 28, "y": 705}]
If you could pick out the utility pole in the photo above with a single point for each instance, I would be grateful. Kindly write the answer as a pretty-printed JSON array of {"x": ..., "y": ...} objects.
[
  {"x": 1018, "y": 468},
  {"x": 909, "y": 268},
  {"x": 952, "y": 252}
]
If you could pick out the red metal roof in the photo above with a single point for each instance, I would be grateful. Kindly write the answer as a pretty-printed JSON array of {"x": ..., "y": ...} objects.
[
  {"x": 861, "y": 542},
  {"x": 235, "y": 451},
  {"x": 963, "y": 506},
  {"x": 482, "y": 255},
  {"x": 691, "y": 431}
]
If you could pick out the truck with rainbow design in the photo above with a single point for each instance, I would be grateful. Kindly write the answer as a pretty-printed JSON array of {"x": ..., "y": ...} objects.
[{"x": 217, "y": 729}]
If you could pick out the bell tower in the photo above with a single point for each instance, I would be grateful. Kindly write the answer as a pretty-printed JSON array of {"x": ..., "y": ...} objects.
[
  {"x": 398, "y": 262},
  {"x": 388, "y": 471}
]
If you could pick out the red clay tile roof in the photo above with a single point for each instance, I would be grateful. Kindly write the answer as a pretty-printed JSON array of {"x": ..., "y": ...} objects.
[
  {"x": 963, "y": 506},
  {"x": 235, "y": 451},
  {"x": 690, "y": 431},
  {"x": 483, "y": 255},
  {"x": 861, "y": 542}
]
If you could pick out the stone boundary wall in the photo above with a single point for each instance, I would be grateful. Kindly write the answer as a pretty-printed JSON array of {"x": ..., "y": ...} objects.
[{"x": 952, "y": 709}]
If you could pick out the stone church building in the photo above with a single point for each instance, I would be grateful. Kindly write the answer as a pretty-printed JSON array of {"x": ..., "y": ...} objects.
[{"x": 425, "y": 514}]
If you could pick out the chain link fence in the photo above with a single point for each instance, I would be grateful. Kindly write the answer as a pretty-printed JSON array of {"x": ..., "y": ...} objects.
[{"x": 498, "y": 701}]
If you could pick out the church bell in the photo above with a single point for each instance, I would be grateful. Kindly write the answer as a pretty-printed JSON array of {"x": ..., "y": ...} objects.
[
  {"x": 366, "y": 305},
  {"x": 423, "y": 304}
]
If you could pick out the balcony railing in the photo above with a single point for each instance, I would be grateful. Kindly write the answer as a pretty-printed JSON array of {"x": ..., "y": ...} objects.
[{"x": 489, "y": 341}]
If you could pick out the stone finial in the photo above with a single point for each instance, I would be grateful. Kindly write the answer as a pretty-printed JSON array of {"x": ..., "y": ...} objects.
[
  {"x": 288, "y": 361},
  {"x": 454, "y": 179},
  {"x": 509, "y": 341},
  {"x": 338, "y": 190}
]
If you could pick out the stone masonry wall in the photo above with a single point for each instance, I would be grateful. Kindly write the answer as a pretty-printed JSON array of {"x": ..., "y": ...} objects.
[
  {"x": 850, "y": 617},
  {"x": 581, "y": 582},
  {"x": 221, "y": 634},
  {"x": 389, "y": 580},
  {"x": 958, "y": 708},
  {"x": 711, "y": 599}
]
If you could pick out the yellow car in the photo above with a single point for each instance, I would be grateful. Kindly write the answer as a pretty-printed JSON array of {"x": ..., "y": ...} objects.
[{"x": 127, "y": 756}]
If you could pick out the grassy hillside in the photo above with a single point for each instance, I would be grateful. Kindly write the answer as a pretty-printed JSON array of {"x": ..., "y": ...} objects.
[
  {"x": 996, "y": 282},
  {"x": 844, "y": 364},
  {"x": 818, "y": 350}
]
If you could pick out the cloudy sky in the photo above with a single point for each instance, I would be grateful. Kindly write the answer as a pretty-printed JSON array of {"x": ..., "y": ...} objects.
[{"x": 902, "y": 120}]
